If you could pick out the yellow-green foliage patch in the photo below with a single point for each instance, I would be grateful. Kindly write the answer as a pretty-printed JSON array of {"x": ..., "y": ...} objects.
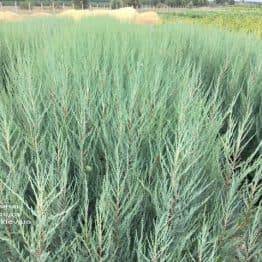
[{"x": 243, "y": 19}]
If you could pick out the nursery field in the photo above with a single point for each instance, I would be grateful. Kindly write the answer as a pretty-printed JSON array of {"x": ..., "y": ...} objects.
[
  {"x": 121, "y": 142},
  {"x": 243, "y": 19},
  {"x": 126, "y": 14}
]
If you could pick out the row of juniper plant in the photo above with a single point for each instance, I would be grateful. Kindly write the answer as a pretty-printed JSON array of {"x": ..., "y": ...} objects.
[{"x": 127, "y": 143}]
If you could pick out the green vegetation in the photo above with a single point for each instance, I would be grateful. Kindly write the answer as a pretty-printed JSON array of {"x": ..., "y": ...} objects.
[
  {"x": 81, "y": 4},
  {"x": 135, "y": 3},
  {"x": 129, "y": 143},
  {"x": 115, "y": 4},
  {"x": 244, "y": 19}
]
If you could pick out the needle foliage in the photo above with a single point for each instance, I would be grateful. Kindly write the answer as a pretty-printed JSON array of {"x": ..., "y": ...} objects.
[{"x": 130, "y": 143}]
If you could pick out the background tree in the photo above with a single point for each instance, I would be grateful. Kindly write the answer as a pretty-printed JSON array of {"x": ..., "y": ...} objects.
[
  {"x": 200, "y": 2},
  {"x": 116, "y": 4},
  {"x": 220, "y": 1},
  {"x": 81, "y": 3},
  {"x": 174, "y": 3},
  {"x": 134, "y": 3},
  {"x": 231, "y": 2}
]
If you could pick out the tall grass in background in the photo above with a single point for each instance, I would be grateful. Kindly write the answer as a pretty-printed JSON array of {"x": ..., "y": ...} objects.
[{"x": 130, "y": 143}]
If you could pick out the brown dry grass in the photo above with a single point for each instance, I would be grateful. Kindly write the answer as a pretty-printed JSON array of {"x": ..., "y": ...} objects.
[
  {"x": 124, "y": 14},
  {"x": 127, "y": 14},
  {"x": 74, "y": 14},
  {"x": 8, "y": 16},
  {"x": 40, "y": 14},
  {"x": 148, "y": 18},
  {"x": 100, "y": 12}
]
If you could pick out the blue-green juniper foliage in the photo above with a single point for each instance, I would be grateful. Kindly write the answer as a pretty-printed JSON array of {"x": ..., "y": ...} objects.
[{"x": 129, "y": 143}]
